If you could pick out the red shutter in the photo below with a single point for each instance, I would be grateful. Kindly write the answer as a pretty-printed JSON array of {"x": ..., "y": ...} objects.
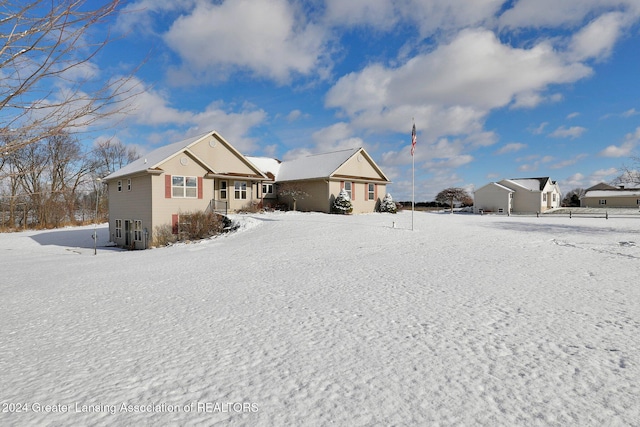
[
  {"x": 174, "y": 223},
  {"x": 199, "y": 187},
  {"x": 167, "y": 186},
  {"x": 375, "y": 191},
  {"x": 353, "y": 191},
  {"x": 342, "y": 185},
  {"x": 366, "y": 191}
]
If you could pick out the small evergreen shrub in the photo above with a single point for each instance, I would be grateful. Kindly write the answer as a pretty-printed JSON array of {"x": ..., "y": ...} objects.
[
  {"x": 343, "y": 204},
  {"x": 388, "y": 205}
]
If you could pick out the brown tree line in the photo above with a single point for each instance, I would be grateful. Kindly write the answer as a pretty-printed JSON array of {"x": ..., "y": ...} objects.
[
  {"x": 50, "y": 93},
  {"x": 54, "y": 182}
]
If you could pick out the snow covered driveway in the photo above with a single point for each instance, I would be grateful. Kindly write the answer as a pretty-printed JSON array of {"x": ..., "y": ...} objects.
[{"x": 313, "y": 319}]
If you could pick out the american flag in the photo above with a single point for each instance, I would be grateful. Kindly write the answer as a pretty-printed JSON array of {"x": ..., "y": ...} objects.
[{"x": 414, "y": 139}]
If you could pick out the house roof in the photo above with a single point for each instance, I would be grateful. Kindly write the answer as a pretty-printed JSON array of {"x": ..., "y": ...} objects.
[
  {"x": 631, "y": 192},
  {"x": 158, "y": 156},
  {"x": 495, "y": 184},
  {"x": 534, "y": 184},
  {"x": 155, "y": 157},
  {"x": 602, "y": 186},
  {"x": 318, "y": 165},
  {"x": 269, "y": 166}
]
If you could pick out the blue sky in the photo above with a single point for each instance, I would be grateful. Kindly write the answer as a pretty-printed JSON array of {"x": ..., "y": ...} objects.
[{"x": 497, "y": 89}]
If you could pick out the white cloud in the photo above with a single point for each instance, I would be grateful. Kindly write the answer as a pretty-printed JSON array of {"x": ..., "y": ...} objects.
[
  {"x": 377, "y": 13},
  {"x": 630, "y": 113},
  {"x": 294, "y": 115},
  {"x": 571, "y": 132},
  {"x": 597, "y": 39},
  {"x": 429, "y": 16},
  {"x": 568, "y": 162},
  {"x": 632, "y": 140},
  {"x": 511, "y": 148},
  {"x": 572, "y": 115},
  {"x": 151, "y": 108},
  {"x": 553, "y": 13},
  {"x": 453, "y": 88},
  {"x": 268, "y": 39},
  {"x": 539, "y": 129}
]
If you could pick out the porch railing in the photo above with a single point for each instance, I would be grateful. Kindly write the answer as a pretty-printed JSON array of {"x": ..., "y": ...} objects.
[{"x": 218, "y": 206}]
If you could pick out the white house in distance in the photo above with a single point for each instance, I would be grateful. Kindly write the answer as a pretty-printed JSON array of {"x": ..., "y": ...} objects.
[
  {"x": 607, "y": 196},
  {"x": 520, "y": 195}
]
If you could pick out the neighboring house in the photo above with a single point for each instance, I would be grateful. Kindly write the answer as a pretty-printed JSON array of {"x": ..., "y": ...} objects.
[
  {"x": 607, "y": 196},
  {"x": 207, "y": 173},
  {"x": 200, "y": 173},
  {"x": 521, "y": 195},
  {"x": 493, "y": 197},
  {"x": 322, "y": 176}
]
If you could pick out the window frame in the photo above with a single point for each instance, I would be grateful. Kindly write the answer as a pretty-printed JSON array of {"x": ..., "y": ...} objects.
[
  {"x": 240, "y": 190},
  {"x": 602, "y": 201},
  {"x": 129, "y": 184},
  {"x": 348, "y": 191},
  {"x": 269, "y": 186},
  {"x": 137, "y": 230},
  {"x": 119, "y": 185},
  {"x": 371, "y": 191},
  {"x": 224, "y": 189},
  {"x": 184, "y": 190},
  {"x": 118, "y": 229}
]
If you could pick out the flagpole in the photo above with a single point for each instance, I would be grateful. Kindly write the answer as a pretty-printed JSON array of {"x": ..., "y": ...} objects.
[{"x": 413, "y": 172}]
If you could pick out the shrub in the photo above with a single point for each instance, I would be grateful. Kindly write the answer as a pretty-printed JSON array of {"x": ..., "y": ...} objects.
[
  {"x": 388, "y": 205},
  {"x": 343, "y": 204},
  {"x": 200, "y": 225},
  {"x": 163, "y": 235}
]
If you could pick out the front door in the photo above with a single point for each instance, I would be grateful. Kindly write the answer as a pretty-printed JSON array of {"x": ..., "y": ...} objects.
[{"x": 127, "y": 232}]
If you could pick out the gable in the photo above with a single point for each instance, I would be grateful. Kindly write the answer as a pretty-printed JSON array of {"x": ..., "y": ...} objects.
[
  {"x": 212, "y": 152},
  {"x": 351, "y": 163},
  {"x": 223, "y": 158},
  {"x": 493, "y": 187},
  {"x": 359, "y": 165}
]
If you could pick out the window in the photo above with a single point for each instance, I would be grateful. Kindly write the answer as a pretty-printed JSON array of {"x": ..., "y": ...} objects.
[
  {"x": 347, "y": 188},
  {"x": 118, "y": 229},
  {"x": 638, "y": 201},
  {"x": 602, "y": 201},
  {"x": 544, "y": 197},
  {"x": 184, "y": 186},
  {"x": 129, "y": 184},
  {"x": 372, "y": 191},
  {"x": 137, "y": 230},
  {"x": 240, "y": 188},
  {"x": 554, "y": 197},
  {"x": 119, "y": 186},
  {"x": 267, "y": 188},
  {"x": 223, "y": 190}
]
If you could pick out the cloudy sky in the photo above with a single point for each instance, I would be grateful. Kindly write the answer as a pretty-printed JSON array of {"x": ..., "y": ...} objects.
[{"x": 497, "y": 89}]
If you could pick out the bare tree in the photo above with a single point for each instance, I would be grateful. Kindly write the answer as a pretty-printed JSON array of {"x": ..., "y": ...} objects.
[
  {"x": 110, "y": 155},
  {"x": 452, "y": 195},
  {"x": 49, "y": 84},
  {"x": 292, "y": 190},
  {"x": 630, "y": 174}
]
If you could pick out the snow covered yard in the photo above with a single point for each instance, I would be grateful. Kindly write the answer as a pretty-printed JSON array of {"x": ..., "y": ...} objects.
[{"x": 314, "y": 319}]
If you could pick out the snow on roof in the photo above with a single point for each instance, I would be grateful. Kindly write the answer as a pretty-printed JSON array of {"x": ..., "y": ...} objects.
[
  {"x": 314, "y": 166},
  {"x": 155, "y": 157},
  {"x": 495, "y": 184},
  {"x": 534, "y": 184},
  {"x": 635, "y": 192},
  {"x": 267, "y": 165}
]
